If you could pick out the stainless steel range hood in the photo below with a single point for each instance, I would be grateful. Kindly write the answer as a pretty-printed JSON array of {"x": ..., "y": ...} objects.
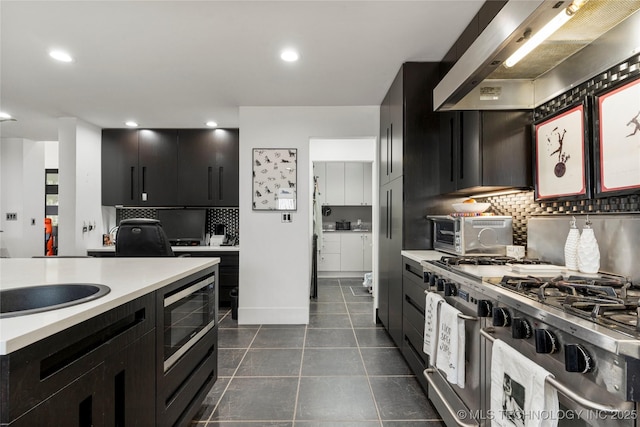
[{"x": 600, "y": 35}]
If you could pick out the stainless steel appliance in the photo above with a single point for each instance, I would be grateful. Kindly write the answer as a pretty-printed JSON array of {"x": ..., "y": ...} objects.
[
  {"x": 464, "y": 235},
  {"x": 583, "y": 330},
  {"x": 189, "y": 313}
]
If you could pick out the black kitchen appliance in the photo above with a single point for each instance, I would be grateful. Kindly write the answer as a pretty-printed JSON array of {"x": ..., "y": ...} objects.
[{"x": 343, "y": 225}]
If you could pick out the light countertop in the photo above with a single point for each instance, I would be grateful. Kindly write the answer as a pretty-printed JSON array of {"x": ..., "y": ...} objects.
[
  {"x": 128, "y": 278},
  {"x": 347, "y": 231},
  {"x": 419, "y": 256},
  {"x": 177, "y": 249}
]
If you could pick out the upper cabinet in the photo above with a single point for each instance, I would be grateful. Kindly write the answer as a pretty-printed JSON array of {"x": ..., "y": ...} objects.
[
  {"x": 170, "y": 167},
  {"x": 208, "y": 167},
  {"x": 138, "y": 167},
  {"x": 344, "y": 183},
  {"x": 484, "y": 149},
  {"x": 391, "y": 131}
]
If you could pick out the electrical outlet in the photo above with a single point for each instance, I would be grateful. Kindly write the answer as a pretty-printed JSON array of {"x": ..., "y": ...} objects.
[
  {"x": 33, "y": 221},
  {"x": 286, "y": 217},
  {"x": 84, "y": 227},
  {"x": 12, "y": 216}
]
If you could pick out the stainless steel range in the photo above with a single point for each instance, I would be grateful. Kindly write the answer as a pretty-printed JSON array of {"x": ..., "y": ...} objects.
[{"x": 582, "y": 329}]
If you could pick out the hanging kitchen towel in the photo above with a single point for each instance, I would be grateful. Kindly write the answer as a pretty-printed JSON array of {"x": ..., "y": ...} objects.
[
  {"x": 451, "y": 347},
  {"x": 520, "y": 395},
  {"x": 432, "y": 303}
]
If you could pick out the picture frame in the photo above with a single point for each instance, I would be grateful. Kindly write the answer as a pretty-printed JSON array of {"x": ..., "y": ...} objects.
[
  {"x": 561, "y": 155},
  {"x": 274, "y": 179},
  {"x": 616, "y": 139}
]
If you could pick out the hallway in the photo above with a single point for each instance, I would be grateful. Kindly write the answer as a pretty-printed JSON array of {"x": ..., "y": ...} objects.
[{"x": 340, "y": 370}]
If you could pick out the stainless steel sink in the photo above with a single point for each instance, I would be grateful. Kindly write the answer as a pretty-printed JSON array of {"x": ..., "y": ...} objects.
[{"x": 36, "y": 299}]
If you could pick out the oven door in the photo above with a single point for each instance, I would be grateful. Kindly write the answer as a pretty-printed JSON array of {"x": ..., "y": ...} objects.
[
  {"x": 189, "y": 313},
  {"x": 444, "y": 235},
  {"x": 449, "y": 399},
  {"x": 581, "y": 405}
]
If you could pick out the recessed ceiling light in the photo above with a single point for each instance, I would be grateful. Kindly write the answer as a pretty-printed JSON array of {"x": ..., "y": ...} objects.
[
  {"x": 131, "y": 124},
  {"x": 60, "y": 56},
  {"x": 211, "y": 124},
  {"x": 289, "y": 55}
]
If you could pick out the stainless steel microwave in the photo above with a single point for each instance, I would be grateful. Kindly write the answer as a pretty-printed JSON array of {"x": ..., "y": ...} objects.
[{"x": 475, "y": 235}]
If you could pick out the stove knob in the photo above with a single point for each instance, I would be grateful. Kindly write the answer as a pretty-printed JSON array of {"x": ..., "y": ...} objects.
[
  {"x": 546, "y": 341},
  {"x": 501, "y": 317},
  {"x": 485, "y": 307},
  {"x": 521, "y": 328},
  {"x": 432, "y": 280},
  {"x": 440, "y": 283},
  {"x": 426, "y": 276},
  {"x": 450, "y": 289},
  {"x": 576, "y": 359}
]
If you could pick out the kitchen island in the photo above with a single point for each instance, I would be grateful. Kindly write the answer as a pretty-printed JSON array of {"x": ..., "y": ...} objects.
[{"x": 104, "y": 362}]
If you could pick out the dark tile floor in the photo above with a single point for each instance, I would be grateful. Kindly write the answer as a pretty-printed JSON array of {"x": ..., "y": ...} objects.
[{"x": 340, "y": 370}]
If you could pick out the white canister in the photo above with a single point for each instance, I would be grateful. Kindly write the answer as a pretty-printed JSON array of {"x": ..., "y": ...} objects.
[
  {"x": 571, "y": 246},
  {"x": 588, "y": 251}
]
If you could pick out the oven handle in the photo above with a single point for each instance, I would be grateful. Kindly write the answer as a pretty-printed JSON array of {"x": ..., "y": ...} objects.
[
  {"x": 586, "y": 403},
  {"x": 463, "y": 316},
  {"x": 188, "y": 291},
  {"x": 456, "y": 418}
]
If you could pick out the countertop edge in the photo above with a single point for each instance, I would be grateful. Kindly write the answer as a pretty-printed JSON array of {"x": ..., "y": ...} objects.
[
  {"x": 422, "y": 255},
  {"x": 48, "y": 326}
]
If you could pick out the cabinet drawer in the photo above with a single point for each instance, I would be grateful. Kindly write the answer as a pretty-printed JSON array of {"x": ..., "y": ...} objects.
[
  {"x": 329, "y": 262},
  {"x": 415, "y": 293},
  {"x": 412, "y": 270},
  {"x": 413, "y": 316},
  {"x": 330, "y": 248},
  {"x": 330, "y": 237}
]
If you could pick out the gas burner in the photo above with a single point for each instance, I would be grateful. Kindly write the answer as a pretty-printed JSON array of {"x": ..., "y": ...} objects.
[{"x": 487, "y": 260}]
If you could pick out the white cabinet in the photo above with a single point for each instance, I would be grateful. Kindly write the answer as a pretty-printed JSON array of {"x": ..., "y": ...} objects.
[
  {"x": 329, "y": 252},
  {"x": 320, "y": 172},
  {"x": 349, "y": 251},
  {"x": 335, "y": 183},
  {"x": 344, "y": 183},
  {"x": 357, "y": 183}
]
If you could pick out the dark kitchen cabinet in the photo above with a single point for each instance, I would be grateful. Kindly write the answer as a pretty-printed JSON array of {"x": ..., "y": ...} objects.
[
  {"x": 409, "y": 136},
  {"x": 170, "y": 167},
  {"x": 208, "y": 162},
  {"x": 413, "y": 312},
  {"x": 139, "y": 167},
  {"x": 98, "y": 373},
  {"x": 485, "y": 149}
]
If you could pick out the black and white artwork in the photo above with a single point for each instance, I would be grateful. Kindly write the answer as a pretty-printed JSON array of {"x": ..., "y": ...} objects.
[
  {"x": 275, "y": 179},
  {"x": 513, "y": 401},
  {"x": 617, "y": 140},
  {"x": 561, "y": 155}
]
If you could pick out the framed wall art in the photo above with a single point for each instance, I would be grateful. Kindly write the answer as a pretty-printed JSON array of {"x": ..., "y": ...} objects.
[
  {"x": 561, "y": 155},
  {"x": 275, "y": 185},
  {"x": 617, "y": 139}
]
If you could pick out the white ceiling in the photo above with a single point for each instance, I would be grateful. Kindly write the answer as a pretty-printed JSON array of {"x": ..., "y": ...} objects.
[{"x": 177, "y": 64}]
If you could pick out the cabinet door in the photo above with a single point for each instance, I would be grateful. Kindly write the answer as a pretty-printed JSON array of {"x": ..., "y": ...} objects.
[
  {"x": 384, "y": 249},
  {"x": 506, "y": 148},
  {"x": 396, "y": 113},
  {"x": 367, "y": 252},
  {"x": 320, "y": 172},
  {"x": 120, "y": 167},
  {"x": 385, "y": 138},
  {"x": 470, "y": 154},
  {"x": 394, "y": 261},
  {"x": 449, "y": 137},
  {"x": 227, "y": 167},
  {"x": 196, "y": 162},
  {"x": 335, "y": 183},
  {"x": 157, "y": 161},
  {"x": 367, "y": 187},
  {"x": 353, "y": 183},
  {"x": 351, "y": 252}
]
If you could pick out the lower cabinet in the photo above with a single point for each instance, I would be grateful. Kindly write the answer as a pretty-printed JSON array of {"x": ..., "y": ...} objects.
[
  {"x": 413, "y": 310},
  {"x": 98, "y": 373},
  {"x": 349, "y": 251},
  {"x": 109, "y": 371}
]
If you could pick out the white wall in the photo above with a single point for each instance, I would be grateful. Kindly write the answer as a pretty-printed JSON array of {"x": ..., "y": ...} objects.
[
  {"x": 22, "y": 185},
  {"x": 275, "y": 257},
  {"x": 79, "y": 187}
]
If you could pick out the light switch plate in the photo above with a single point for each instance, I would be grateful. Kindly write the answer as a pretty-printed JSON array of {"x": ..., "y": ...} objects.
[{"x": 12, "y": 216}]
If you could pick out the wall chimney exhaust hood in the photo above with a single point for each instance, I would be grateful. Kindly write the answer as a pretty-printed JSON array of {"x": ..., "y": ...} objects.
[{"x": 601, "y": 34}]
